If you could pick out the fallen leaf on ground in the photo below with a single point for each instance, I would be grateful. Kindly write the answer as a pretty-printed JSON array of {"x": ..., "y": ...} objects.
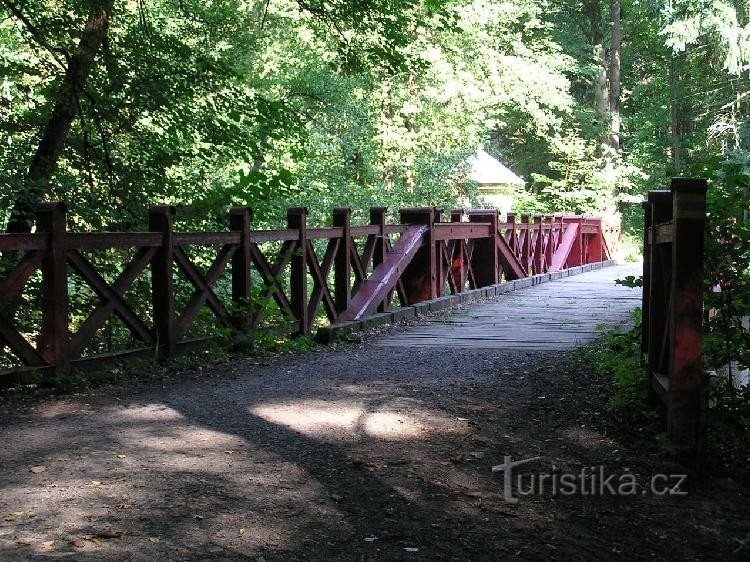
[
  {"x": 96, "y": 483},
  {"x": 48, "y": 545},
  {"x": 23, "y": 542},
  {"x": 38, "y": 469},
  {"x": 153, "y": 539},
  {"x": 242, "y": 532},
  {"x": 78, "y": 543}
]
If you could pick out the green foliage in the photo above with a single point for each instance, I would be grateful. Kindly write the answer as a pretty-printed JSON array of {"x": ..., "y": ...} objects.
[{"x": 617, "y": 355}]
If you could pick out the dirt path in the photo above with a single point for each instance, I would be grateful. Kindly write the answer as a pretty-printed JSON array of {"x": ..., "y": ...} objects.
[{"x": 361, "y": 453}]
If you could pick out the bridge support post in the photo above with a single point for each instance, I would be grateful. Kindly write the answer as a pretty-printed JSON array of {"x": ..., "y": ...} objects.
[
  {"x": 512, "y": 234},
  {"x": 660, "y": 269},
  {"x": 596, "y": 245},
  {"x": 240, "y": 220},
  {"x": 296, "y": 218},
  {"x": 54, "y": 339},
  {"x": 528, "y": 238},
  {"x": 160, "y": 219},
  {"x": 377, "y": 218},
  {"x": 688, "y": 380},
  {"x": 539, "y": 246},
  {"x": 458, "y": 267},
  {"x": 646, "y": 283},
  {"x": 672, "y": 337},
  {"x": 551, "y": 239},
  {"x": 484, "y": 258},
  {"x": 576, "y": 252},
  {"x": 420, "y": 277},
  {"x": 342, "y": 266}
]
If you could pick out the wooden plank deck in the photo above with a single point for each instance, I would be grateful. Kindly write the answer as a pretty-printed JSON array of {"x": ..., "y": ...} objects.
[{"x": 558, "y": 315}]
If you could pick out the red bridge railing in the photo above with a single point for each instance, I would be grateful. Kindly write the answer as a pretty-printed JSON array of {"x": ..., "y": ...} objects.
[{"x": 311, "y": 275}]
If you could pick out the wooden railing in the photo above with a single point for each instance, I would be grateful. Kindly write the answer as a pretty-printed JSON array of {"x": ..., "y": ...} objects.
[
  {"x": 333, "y": 274},
  {"x": 672, "y": 322}
]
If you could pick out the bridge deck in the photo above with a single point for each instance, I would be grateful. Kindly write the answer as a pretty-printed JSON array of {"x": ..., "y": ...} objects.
[{"x": 552, "y": 316}]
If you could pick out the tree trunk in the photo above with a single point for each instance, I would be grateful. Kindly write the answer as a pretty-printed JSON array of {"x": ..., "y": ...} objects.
[
  {"x": 592, "y": 11},
  {"x": 43, "y": 164},
  {"x": 614, "y": 77},
  {"x": 674, "y": 115}
]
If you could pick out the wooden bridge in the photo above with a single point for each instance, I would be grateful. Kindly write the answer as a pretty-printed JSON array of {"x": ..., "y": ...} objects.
[{"x": 336, "y": 276}]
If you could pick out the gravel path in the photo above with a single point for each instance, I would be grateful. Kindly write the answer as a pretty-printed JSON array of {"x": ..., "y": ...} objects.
[{"x": 355, "y": 453}]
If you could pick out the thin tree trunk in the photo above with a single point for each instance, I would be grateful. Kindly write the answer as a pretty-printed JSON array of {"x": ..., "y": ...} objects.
[
  {"x": 674, "y": 115},
  {"x": 592, "y": 11},
  {"x": 43, "y": 164},
  {"x": 614, "y": 76}
]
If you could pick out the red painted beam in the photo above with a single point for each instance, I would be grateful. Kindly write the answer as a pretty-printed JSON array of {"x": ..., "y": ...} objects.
[
  {"x": 566, "y": 245},
  {"x": 385, "y": 276}
]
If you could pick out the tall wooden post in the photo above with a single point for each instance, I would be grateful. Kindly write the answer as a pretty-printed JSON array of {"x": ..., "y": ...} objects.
[
  {"x": 484, "y": 258},
  {"x": 420, "y": 277},
  {"x": 551, "y": 238},
  {"x": 512, "y": 234},
  {"x": 596, "y": 246},
  {"x": 688, "y": 380},
  {"x": 646, "y": 284},
  {"x": 297, "y": 220},
  {"x": 660, "y": 268},
  {"x": 528, "y": 240},
  {"x": 539, "y": 248},
  {"x": 458, "y": 267},
  {"x": 160, "y": 219},
  {"x": 575, "y": 258},
  {"x": 240, "y": 220},
  {"x": 54, "y": 338},
  {"x": 377, "y": 218},
  {"x": 342, "y": 265}
]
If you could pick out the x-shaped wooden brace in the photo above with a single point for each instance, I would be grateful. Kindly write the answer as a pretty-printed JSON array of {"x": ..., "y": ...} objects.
[
  {"x": 270, "y": 275},
  {"x": 9, "y": 289},
  {"x": 112, "y": 299},
  {"x": 204, "y": 292},
  {"x": 319, "y": 272}
]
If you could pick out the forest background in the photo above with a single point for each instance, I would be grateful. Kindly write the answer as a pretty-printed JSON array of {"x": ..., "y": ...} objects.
[{"x": 116, "y": 105}]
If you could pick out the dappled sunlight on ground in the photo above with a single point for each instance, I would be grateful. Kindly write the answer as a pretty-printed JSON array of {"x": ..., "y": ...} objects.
[{"x": 344, "y": 420}]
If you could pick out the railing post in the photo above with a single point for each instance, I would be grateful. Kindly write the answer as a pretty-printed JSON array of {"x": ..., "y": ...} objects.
[
  {"x": 420, "y": 277},
  {"x": 527, "y": 243},
  {"x": 377, "y": 218},
  {"x": 54, "y": 338},
  {"x": 539, "y": 249},
  {"x": 596, "y": 247},
  {"x": 576, "y": 256},
  {"x": 512, "y": 234},
  {"x": 441, "y": 275},
  {"x": 160, "y": 219},
  {"x": 484, "y": 259},
  {"x": 659, "y": 267},
  {"x": 240, "y": 220},
  {"x": 646, "y": 281},
  {"x": 458, "y": 267},
  {"x": 342, "y": 266},
  {"x": 688, "y": 380},
  {"x": 297, "y": 220},
  {"x": 550, "y": 250}
]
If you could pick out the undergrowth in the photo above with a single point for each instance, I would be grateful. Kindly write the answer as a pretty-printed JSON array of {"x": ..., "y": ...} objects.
[
  {"x": 225, "y": 347},
  {"x": 617, "y": 355}
]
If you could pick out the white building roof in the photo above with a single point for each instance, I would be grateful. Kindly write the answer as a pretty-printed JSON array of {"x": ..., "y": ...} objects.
[{"x": 485, "y": 170}]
